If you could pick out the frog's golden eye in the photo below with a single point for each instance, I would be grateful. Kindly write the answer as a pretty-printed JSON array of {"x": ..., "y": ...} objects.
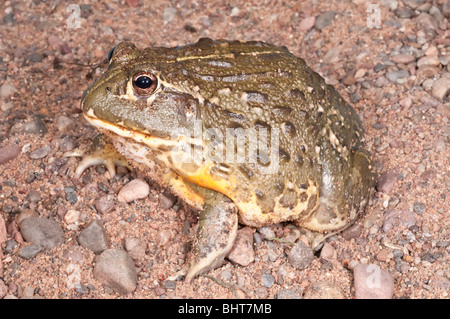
[{"x": 144, "y": 83}]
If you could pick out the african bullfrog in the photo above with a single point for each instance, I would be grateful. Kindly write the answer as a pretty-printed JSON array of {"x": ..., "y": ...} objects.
[{"x": 245, "y": 132}]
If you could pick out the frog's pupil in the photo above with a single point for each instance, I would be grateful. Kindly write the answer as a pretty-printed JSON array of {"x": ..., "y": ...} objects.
[{"x": 144, "y": 82}]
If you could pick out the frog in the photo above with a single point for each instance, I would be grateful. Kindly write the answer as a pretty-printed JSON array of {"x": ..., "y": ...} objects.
[{"x": 295, "y": 149}]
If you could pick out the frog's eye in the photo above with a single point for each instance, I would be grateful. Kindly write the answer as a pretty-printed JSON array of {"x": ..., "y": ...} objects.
[
  {"x": 144, "y": 83},
  {"x": 110, "y": 54}
]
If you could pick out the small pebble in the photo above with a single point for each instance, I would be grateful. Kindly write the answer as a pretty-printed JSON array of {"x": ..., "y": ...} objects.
[
  {"x": 67, "y": 144},
  {"x": 323, "y": 290},
  {"x": 136, "y": 189},
  {"x": 163, "y": 237},
  {"x": 390, "y": 4},
  {"x": 170, "y": 284},
  {"x": 289, "y": 294},
  {"x": 300, "y": 256},
  {"x": 72, "y": 216},
  {"x": 167, "y": 200},
  {"x": 3, "y": 235},
  {"x": 397, "y": 220},
  {"x": 413, "y": 3},
  {"x": 403, "y": 58},
  {"x": 94, "y": 237},
  {"x": 324, "y": 19},
  {"x": 387, "y": 181},
  {"x": 353, "y": 231},
  {"x": 266, "y": 232},
  {"x": 42, "y": 231},
  {"x": 398, "y": 75},
  {"x": 7, "y": 89},
  {"x": 226, "y": 275},
  {"x": 307, "y": 23},
  {"x": 371, "y": 282},
  {"x": 105, "y": 204},
  {"x": 29, "y": 251},
  {"x": 419, "y": 208},
  {"x": 35, "y": 126},
  {"x": 428, "y": 60},
  {"x": 267, "y": 280},
  {"x": 328, "y": 252},
  {"x": 441, "y": 87},
  {"x": 40, "y": 152},
  {"x": 446, "y": 9},
  {"x": 3, "y": 289},
  {"x": 132, "y": 3},
  {"x": 116, "y": 269},
  {"x": 26, "y": 213},
  {"x": 404, "y": 12},
  {"x": 62, "y": 122},
  {"x": 9, "y": 153},
  {"x": 242, "y": 252},
  {"x": 34, "y": 57},
  {"x": 135, "y": 247}
]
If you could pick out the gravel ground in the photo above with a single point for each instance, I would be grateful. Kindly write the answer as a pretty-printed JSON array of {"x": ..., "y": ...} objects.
[{"x": 390, "y": 60}]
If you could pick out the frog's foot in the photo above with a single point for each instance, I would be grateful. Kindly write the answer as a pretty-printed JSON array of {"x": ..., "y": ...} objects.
[
  {"x": 216, "y": 233},
  {"x": 102, "y": 152}
]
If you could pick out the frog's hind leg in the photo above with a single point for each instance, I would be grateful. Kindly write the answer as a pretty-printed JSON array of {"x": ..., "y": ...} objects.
[
  {"x": 217, "y": 228},
  {"x": 340, "y": 206}
]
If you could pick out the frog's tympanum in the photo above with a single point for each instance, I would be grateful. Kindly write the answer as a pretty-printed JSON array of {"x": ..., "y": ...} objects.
[{"x": 245, "y": 132}]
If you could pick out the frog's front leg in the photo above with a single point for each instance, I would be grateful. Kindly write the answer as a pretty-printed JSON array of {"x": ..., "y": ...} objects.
[
  {"x": 101, "y": 152},
  {"x": 217, "y": 228}
]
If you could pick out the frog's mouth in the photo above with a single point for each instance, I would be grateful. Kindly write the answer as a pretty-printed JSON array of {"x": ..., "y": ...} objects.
[{"x": 152, "y": 141}]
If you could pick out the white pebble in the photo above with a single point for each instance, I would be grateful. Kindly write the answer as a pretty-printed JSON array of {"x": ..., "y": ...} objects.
[{"x": 136, "y": 189}]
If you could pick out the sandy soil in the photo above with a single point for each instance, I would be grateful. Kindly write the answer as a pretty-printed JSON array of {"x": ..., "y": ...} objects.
[{"x": 47, "y": 62}]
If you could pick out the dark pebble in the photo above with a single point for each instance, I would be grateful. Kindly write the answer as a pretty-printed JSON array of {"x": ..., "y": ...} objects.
[
  {"x": 11, "y": 245},
  {"x": 379, "y": 67},
  {"x": 10, "y": 19},
  {"x": 324, "y": 19},
  {"x": 169, "y": 284},
  {"x": 72, "y": 198},
  {"x": 34, "y": 57},
  {"x": 29, "y": 251},
  {"x": 94, "y": 237},
  {"x": 267, "y": 280},
  {"x": 404, "y": 12},
  {"x": 42, "y": 231},
  {"x": 419, "y": 208},
  {"x": 355, "y": 98},
  {"x": 35, "y": 126}
]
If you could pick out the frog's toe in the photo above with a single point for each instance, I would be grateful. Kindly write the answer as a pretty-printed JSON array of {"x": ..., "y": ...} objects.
[
  {"x": 105, "y": 155},
  {"x": 98, "y": 158},
  {"x": 215, "y": 236}
]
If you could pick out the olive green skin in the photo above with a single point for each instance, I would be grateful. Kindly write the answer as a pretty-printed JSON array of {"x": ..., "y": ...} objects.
[{"x": 243, "y": 85}]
